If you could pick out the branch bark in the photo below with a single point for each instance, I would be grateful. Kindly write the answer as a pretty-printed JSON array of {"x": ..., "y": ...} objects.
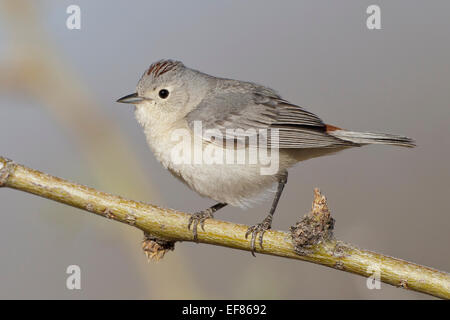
[{"x": 171, "y": 225}]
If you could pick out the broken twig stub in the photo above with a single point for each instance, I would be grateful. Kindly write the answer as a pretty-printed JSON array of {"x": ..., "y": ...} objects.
[
  {"x": 315, "y": 227},
  {"x": 155, "y": 248}
]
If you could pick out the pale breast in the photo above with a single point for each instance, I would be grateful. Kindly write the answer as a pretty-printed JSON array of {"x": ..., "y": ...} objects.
[{"x": 201, "y": 168}]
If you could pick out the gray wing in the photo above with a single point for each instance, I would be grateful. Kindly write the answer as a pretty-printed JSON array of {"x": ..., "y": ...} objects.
[{"x": 248, "y": 106}]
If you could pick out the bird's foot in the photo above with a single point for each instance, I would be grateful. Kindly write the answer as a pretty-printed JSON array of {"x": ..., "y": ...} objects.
[
  {"x": 199, "y": 217},
  {"x": 260, "y": 229}
]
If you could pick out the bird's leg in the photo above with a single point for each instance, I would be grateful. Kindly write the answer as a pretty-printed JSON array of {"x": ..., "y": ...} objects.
[
  {"x": 267, "y": 222},
  {"x": 202, "y": 216}
]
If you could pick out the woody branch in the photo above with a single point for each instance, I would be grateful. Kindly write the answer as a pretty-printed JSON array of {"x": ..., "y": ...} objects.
[{"x": 171, "y": 225}]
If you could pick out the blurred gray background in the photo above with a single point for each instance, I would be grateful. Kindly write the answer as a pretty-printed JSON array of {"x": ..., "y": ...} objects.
[{"x": 58, "y": 114}]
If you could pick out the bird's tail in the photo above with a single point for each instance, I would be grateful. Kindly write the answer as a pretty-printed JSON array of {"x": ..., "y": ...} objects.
[{"x": 372, "y": 138}]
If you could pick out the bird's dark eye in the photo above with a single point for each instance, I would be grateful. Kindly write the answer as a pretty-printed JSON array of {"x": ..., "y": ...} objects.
[{"x": 163, "y": 93}]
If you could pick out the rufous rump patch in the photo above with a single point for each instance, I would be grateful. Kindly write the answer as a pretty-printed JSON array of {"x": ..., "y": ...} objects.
[{"x": 329, "y": 128}]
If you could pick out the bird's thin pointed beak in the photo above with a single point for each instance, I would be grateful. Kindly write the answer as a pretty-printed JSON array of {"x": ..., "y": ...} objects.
[{"x": 131, "y": 98}]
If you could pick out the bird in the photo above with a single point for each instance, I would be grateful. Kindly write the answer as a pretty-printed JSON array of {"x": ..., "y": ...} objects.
[{"x": 173, "y": 101}]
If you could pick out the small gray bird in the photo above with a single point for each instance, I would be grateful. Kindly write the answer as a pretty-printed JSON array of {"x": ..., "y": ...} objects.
[{"x": 171, "y": 99}]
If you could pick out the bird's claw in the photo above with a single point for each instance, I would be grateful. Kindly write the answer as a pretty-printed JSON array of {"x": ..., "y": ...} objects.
[
  {"x": 196, "y": 218},
  {"x": 260, "y": 229}
]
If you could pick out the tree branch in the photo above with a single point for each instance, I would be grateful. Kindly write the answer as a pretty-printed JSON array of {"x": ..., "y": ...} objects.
[{"x": 171, "y": 225}]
